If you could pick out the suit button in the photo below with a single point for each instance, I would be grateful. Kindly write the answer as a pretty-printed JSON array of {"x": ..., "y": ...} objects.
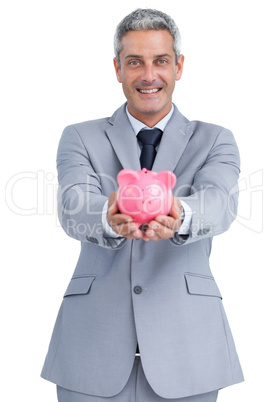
[
  {"x": 92, "y": 239},
  {"x": 137, "y": 290}
]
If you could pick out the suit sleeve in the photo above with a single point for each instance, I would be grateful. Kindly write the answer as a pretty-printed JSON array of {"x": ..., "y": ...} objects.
[
  {"x": 80, "y": 198},
  {"x": 213, "y": 195}
]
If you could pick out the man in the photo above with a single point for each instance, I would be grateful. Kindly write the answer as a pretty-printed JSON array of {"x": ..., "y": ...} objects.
[{"x": 144, "y": 289}]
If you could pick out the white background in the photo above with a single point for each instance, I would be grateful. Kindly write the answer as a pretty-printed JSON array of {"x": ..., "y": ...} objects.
[{"x": 57, "y": 69}]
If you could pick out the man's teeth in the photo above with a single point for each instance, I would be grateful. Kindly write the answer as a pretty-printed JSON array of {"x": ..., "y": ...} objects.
[{"x": 149, "y": 91}]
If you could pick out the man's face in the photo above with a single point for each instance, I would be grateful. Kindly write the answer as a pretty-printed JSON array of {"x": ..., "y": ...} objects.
[{"x": 148, "y": 73}]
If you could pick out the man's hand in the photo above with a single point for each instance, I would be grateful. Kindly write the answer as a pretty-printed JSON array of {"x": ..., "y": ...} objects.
[
  {"x": 122, "y": 224},
  {"x": 162, "y": 227}
]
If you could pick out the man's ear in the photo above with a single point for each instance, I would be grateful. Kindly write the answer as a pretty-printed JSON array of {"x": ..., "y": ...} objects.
[
  {"x": 179, "y": 67},
  {"x": 117, "y": 70}
]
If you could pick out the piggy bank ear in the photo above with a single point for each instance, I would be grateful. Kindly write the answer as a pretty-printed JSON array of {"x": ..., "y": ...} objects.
[
  {"x": 127, "y": 176},
  {"x": 167, "y": 177}
]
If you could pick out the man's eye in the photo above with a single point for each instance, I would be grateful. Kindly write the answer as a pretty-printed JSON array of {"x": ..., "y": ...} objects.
[
  {"x": 162, "y": 61},
  {"x": 134, "y": 63}
]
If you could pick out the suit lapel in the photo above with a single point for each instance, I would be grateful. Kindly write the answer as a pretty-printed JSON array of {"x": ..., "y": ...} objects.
[
  {"x": 123, "y": 140},
  {"x": 174, "y": 140}
]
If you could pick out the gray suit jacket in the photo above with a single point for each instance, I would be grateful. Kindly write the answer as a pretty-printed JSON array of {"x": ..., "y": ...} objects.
[{"x": 159, "y": 294}]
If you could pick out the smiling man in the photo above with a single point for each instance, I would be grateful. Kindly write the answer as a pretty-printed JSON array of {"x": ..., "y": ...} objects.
[
  {"x": 148, "y": 68},
  {"x": 142, "y": 318}
]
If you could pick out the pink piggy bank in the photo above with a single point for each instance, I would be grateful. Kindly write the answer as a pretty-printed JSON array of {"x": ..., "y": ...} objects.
[{"x": 145, "y": 194}]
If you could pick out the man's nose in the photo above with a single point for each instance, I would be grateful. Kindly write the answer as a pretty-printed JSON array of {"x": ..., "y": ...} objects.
[{"x": 149, "y": 73}]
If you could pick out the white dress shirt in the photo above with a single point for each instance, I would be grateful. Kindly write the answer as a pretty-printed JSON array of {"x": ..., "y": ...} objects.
[{"x": 137, "y": 126}]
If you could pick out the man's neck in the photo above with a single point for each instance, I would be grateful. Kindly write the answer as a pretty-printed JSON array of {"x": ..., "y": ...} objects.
[
  {"x": 149, "y": 119},
  {"x": 137, "y": 125}
]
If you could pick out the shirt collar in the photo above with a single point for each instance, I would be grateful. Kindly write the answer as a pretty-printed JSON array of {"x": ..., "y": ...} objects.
[{"x": 137, "y": 125}]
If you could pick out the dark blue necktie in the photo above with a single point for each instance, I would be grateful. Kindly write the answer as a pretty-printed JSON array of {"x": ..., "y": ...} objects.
[{"x": 149, "y": 139}]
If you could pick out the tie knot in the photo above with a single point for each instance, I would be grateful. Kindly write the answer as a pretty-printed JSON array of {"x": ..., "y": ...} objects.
[{"x": 150, "y": 137}]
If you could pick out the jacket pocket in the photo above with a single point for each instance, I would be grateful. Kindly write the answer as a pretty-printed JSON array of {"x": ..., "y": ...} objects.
[
  {"x": 79, "y": 285},
  {"x": 201, "y": 285}
]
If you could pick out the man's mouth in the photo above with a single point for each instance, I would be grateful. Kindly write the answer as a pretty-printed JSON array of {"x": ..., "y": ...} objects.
[{"x": 149, "y": 91}]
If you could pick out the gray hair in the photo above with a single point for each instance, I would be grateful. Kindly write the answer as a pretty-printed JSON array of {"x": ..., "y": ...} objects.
[{"x": 147, "y": 19}]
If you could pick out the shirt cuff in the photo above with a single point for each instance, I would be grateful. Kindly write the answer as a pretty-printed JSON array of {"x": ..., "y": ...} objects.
[
  {"x": 107, "y": 230},
  {"x": 186, "y": 218}
]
